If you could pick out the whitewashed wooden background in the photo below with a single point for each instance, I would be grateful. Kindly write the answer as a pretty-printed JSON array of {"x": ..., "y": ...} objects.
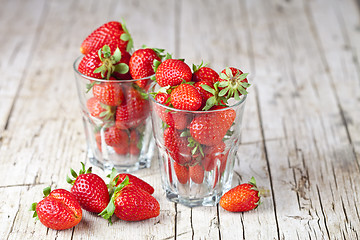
[{"x": 301, "y": 132}]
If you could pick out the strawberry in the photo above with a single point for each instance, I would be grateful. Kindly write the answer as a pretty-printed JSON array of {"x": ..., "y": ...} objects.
[
  {"x": 177, "y": 146},
  {"x": 135, "y": 142},
  {"x": 141, "y": 64},
  {"x": 125, "y": 73},
  {"x": 122, "y": 149},
  {"x": 176, "y": 119},
  {"x": 186, "y": 97},
  {"x": 58, "y": 210},
  {"x": 89, "y": 189},
  {"x": 210, "y": 128},
  {"x": 182, "y": 173},
  {"x": 196, "y": 173},
  {"x": 112, "y": 33},
  {"x": 99, "y": 110},
  {"x": 213, "y": 154},
  {"x": 108, "y": 93},
  {"x": 98, "y": 140},
  {"x": 172, "y": 72},
  {"x": 133, "y": 111},
  {"x": 131, "y": 203},
  {"x": 117, "y": 179},
  {"x": 205, "y": 95},
  {"x": 233, "y": 83},
  {"x": 102, "y": 63},
  {"x": 241, "y": 198},
  {"x": 203, "y": 73},
  {"x": 116, "y": 137}
]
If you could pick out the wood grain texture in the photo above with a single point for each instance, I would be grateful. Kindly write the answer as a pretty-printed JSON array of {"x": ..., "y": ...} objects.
[{"x": 301, "y": 126}]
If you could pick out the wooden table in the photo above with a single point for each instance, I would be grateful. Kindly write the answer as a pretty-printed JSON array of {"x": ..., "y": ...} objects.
[{"x": 301, "y": 129}]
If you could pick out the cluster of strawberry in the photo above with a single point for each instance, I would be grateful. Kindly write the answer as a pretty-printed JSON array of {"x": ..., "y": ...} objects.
[
  {"x": 194, "y": 107},
  {"x": 128, "y": 196},
  {"x": 122, "y": 106}
]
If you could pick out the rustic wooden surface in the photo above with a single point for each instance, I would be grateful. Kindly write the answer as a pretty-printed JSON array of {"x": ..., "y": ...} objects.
[{"x": 301, "y": 131}]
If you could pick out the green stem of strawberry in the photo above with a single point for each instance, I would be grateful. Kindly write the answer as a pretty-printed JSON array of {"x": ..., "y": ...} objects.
[
  {"x": 75, "y": 175},
  {"x": 110, "y": 209}
]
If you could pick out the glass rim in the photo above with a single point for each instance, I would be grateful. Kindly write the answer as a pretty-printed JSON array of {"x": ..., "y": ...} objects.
[
  {"x": 152, "y": 85},
  {"x": 77, "y": 61}
]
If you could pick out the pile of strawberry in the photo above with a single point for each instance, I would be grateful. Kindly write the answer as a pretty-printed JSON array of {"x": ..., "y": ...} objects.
[
  {"x": 121, "y": 107},
  {"x": 194, "y": 108},
  {"x": 126, "y": 195}
]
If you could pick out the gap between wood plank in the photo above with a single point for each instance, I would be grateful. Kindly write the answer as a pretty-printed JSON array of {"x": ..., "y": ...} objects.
[{"x": 267, "y": 159}]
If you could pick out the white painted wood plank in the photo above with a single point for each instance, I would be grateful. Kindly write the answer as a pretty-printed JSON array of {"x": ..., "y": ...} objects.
[
  {"x": 16, "y": 43},
  {"x": 305, "y": 107}
]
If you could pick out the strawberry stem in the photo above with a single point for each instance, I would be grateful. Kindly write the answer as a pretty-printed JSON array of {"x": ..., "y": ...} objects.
[{"x": 110, "y": 208}]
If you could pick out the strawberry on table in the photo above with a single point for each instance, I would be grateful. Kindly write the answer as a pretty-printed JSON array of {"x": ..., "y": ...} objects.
[
  {"x": 89, "y": 189},
  {"x": 131, "y": 203},
  {"x": 116, "y": 179},
  {"x": 114, "y": 34},
  {"x": 186, "y": 97},
  {"x": 172, "y": 72},
  {"x": 58, "y": 210},
  {"x": 241, "y": 198},
  {"x": 203, "y": 73}
]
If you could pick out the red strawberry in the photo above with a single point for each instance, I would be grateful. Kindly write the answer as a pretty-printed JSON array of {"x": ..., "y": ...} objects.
[
  {"x": 115, "y": 137},
  {"x": 99, "y": 110},
  {"x": 98, "y": 140},
  {"x": 176, "y": 119},
  {"x": 177, "y": 146},
  {"x": 241, "y": 198},
  {"x": 233, "y": 83},
  {"x": 113, "y": 34},
  {"x": 102, "y": 63},
  {"x": 182, "y": 173},
  {"x": 109, "y": 93},
  {"x": 117, "y": 179},
  {"x": 210, "y": 128},
  {"x": 172, "y": 72},
  {"x": 124, "y": 74},
  {"x": 122, "y": 149},
  {"x": 204, "y": 94},
  {"x": 131, "y": 203},
  {"x": 89, "y": 189},
  {"x": 212, "y": 155},
  {"x": 58, "y": 210},
  {"x": 133, "y": 111},
  {"x": 196, "y": 173},
  {"x": 141, "y": 64},
  {"x": 204, "y": 74},
  {"x": 186, "y": 97},
  {"x": 135, "y": 142}
]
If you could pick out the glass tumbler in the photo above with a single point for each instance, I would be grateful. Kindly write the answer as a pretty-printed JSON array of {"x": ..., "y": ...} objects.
[
  {"x": 196, "y": 150},
  {"x": 116, "y": 117}
]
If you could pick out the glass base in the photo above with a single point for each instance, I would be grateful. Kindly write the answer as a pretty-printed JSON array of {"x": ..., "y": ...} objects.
[
  {"x": 107, "y": 166},
  {"x": 193, "y": 202}
]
